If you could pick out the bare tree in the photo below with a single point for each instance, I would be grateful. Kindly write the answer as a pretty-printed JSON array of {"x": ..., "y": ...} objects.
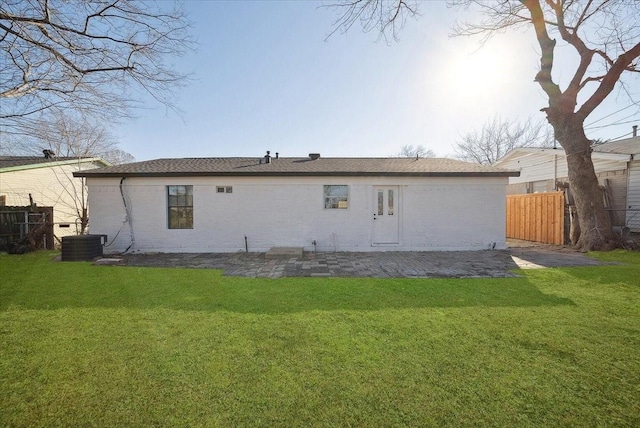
[
  {"x": 499, "y": 136},
  {"x": 117, "y": 156},
  {"x": 411, "y": 151},
  {"x": 87, "y": 55},
  {"x": 69, "y": 137},
  {"x": 605, "y": 36}
]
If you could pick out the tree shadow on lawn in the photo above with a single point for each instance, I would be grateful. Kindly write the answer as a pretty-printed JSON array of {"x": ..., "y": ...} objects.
[
  {"x": 365, "y": 294},
  {"x": 80, "y": 285},
  {"x": 618, "y": 268},
  {"x": 623, "y": 275}
]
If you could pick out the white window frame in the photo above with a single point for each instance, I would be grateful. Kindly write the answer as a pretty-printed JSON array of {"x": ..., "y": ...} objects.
[{"x": 335, "y": 200}]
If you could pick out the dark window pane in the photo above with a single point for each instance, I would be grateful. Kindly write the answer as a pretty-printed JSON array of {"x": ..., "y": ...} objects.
[
  {"x": 180, "y": 207},
  {"x": 188, "y": 218},
  {"x": 174, "y": 218}
]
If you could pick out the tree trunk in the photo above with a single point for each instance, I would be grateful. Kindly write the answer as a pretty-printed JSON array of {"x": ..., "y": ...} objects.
[
  {"x": 595, "y": 226},
  {"x": 84, "y": 221},
  {"x": 574, "y": 228}
]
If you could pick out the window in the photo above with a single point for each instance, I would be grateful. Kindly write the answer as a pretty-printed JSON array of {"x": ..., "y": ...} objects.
[
  {"x": 180, "y": 204},
  {"x": 336, "y": 197}
]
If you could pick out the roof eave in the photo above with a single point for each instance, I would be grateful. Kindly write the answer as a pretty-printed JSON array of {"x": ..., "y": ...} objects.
[
  {"x": 619, "y": 157},
  {"x": 55, "y": 164},
  {"x": 90, "y": 174}
]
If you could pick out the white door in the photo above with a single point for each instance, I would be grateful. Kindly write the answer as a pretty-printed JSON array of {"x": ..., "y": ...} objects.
[{"x": 386, "y": 224}]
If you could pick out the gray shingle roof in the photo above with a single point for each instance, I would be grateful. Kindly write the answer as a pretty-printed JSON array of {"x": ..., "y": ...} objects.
[
  {"x": 629, "y": 146},
  {"x": 11, "y": 161},
  {"x": 424, "y": 167}
]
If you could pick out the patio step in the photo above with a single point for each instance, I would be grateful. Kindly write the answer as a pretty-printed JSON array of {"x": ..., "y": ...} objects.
[{"x": 284, "y": 253}]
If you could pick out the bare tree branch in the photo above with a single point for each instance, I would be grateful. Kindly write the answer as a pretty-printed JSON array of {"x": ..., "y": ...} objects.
[
  {"x": 411, "y": 151},
  {"x": 66, "y": 135},
  {"x": 608, "y": 81},
  {"x": 88, "y": 55},
  {"x": 386, "y": 17},
  {"x": 499, "y": 136}
]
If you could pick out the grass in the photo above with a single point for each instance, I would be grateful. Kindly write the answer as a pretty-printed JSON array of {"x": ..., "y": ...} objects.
[{"x": 123, "y": 346}]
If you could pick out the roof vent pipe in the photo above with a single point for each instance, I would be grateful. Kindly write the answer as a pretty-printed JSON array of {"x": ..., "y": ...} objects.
[
  {"x": 635, "y": 130},
  {"x": 314, "y": 156},
  {"x": 267, "y": 157},
  {"x": 277, "y": 155}
]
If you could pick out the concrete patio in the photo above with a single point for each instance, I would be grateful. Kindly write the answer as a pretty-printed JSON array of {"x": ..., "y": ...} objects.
[{"x": 455, "y": 264}]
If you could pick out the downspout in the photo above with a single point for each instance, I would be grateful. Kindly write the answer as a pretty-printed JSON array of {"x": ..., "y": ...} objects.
[{"x": 127, "y": 218}]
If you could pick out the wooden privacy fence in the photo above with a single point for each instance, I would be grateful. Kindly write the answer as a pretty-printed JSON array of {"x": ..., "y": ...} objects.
[
  {"x": 536, "y": 217},
  {"x": 31, "y": 223}
]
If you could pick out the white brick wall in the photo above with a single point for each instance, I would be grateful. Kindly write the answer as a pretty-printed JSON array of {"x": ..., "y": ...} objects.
[{"x": 434, "y": 214}]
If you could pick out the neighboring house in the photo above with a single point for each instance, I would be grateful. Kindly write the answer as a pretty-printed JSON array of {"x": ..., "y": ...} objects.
[
  {"x": 617, "y": 165},
  {"x": 323, "y": 204},
  {"x": 47, "y": 181}
]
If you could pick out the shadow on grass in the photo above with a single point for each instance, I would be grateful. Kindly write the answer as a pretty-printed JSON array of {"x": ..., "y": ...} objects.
[
  {"x": 619, "y": 268},
  {"x": 627, "y": 275},
  {"x": 33, "y": 282}
]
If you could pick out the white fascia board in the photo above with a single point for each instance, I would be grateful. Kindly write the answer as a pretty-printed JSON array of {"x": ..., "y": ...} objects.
[
  {"x": 612, "y": 156},
  {"x": 55, "y": 163}
]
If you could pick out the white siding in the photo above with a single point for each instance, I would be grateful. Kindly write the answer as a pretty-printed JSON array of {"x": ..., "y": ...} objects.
[
  {"x": 551, "y": 164},
  {"x": 435, "y": 214},
  {"x": 52, "y": 186},
  {"x": 541, "y": 167},
  {"x": 633, "y": 197}
]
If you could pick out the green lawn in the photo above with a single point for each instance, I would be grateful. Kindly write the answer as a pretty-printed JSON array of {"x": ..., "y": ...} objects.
[{"x": 82, "y": 345}]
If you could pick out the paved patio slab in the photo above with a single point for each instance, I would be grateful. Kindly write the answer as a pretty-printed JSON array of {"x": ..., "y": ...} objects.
[{"x": 393, "y": 264}]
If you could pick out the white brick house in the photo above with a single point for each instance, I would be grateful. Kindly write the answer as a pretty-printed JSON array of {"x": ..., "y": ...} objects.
[{"x": 326, "y": 204}]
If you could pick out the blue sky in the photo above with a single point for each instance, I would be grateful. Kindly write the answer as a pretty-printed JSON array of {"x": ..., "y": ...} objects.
[{"x": 265, "y": 78}]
